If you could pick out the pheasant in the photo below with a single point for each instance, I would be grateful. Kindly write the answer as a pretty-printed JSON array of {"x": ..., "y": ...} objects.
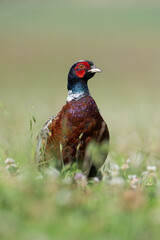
[{"x": 64, "y": 138}]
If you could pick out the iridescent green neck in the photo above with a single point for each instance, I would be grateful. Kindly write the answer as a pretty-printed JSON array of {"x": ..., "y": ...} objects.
[{"x": 77, "y": 90}]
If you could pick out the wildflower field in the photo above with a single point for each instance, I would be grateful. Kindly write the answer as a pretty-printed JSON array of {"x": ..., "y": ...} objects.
[{"x": 39, "y": 41}]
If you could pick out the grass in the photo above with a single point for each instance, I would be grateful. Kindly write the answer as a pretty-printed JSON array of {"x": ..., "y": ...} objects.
[
  {"x": 122, "y": 206},
  {"x": 39, "y": 42}
]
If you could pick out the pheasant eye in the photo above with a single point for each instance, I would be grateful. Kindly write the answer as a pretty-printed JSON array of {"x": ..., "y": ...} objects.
[{"x": 81, "y": 66}]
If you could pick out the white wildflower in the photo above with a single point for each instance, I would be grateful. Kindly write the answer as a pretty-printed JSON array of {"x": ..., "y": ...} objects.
[
  {"x": 150, "y": 176},
  {"x": 12, "y": 168},
  {"x": 9, "y": 161},
  {"x": 79, "y": 176},
  {"x": 114, "y": 169},
  {"x": 151, "y": 168},
  {"x": 80, "y": 179},
  {"x": 132, "y": 176},
  {"x": 134, "y": 181},
  {"x": 96, "y": 179}
]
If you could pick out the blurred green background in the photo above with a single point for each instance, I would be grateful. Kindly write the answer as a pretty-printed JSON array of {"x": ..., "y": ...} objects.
[{"x": 40, "y": 40}]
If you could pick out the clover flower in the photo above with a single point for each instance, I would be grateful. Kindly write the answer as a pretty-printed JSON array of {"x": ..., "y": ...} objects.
[
  {"x": 151, "y": 168},
  {"x": 80, "y": 179},
  {"x": 134, "y": 181}
]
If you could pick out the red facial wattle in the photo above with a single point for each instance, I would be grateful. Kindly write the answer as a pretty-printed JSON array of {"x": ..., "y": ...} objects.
[{"x": 81, "y": 72}]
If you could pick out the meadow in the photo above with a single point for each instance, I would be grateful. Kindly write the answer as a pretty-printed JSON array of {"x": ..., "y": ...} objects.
[{"x": 39, "y": 41}]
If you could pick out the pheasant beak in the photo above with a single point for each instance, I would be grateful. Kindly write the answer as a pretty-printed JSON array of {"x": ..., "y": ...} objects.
[{"x": 95, "y": 69}]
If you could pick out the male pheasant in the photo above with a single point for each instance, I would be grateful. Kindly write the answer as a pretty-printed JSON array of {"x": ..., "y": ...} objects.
[{"x": 64, "y": 138}]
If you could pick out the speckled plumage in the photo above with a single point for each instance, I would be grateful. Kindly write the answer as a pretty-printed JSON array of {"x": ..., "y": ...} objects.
[{"x": 66, "y": 136}]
